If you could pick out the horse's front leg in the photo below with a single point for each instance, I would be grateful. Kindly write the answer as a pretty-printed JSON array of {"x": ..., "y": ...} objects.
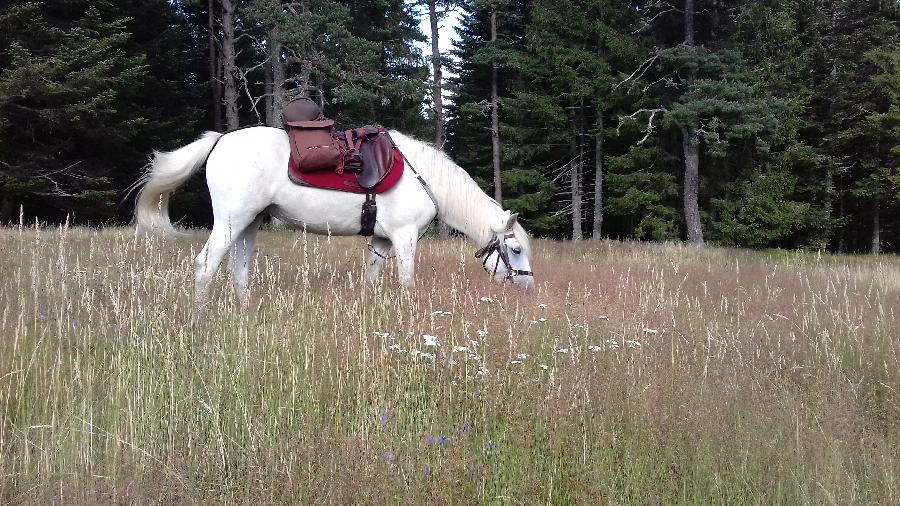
[
  {"x": 378, "y": 252},
  {"x": 405, "y": 247}
]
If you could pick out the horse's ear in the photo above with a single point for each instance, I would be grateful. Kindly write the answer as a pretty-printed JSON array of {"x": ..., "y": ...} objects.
[{"x": 511, "y": 221}]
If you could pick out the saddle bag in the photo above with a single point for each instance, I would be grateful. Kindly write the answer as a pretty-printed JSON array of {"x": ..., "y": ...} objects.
[{"x": 313, "y": 147}]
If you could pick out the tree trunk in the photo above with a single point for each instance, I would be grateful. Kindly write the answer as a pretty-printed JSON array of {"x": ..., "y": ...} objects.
[
  {"x": 598, "y": 178},
  {"x": 278, "y": 78},
  {"x": 688, "y": 22},
  {"x": 495, "y": 118},
  {"x": 269, "y": 83},
  {"x": 215, "y": 85},
  {"x": 437, "y": 98},
  {"x": 876, "y": 230},
  {"x": 436, "y": 91},
  {"x": 232, "y": 122},
  {"x": 276, "y": 65},
  {"x": 691, "y": 144},
  {"x": 7, "y": 209},
  {"x": 842, "y": 230},
  {"x": 575, "y": 176}
]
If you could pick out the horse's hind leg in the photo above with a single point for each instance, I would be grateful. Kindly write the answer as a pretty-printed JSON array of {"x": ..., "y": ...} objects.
[
  {"x": 222, "y": 237},
  {"x": 239, "y": 262}
]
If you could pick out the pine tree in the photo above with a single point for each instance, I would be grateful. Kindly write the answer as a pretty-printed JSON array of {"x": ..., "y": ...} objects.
[
  {"x": 469, "y": 132},
  {"x": 864, "y": 87},
  {"x": 77, "y": 97},
  {"x": 709, "y": 98}
]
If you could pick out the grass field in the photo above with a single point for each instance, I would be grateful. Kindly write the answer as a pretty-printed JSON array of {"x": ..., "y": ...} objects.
[{"x": 634, "y": 374}]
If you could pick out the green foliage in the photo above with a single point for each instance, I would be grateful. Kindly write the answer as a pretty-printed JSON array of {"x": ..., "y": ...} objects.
[
  {"x": 359, "y": 56},
  {"x": 643, "y": 198},
  {"x": 796, "y": 104},
  {"x": 760, "y": 212},
  {"x": 73, "y": 103}
]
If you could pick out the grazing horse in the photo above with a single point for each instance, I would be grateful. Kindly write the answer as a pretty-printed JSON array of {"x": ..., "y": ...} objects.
[{"x": 247, "y": 176}]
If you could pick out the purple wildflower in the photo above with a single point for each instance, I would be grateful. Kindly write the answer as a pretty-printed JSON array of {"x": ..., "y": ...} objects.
[
  {"x": 384, "y": 417},
  {"x": 429, "y": 438},
  {"x": 388, "y": 456},
  {"x": 443, "y": 440},
  {"x": 489, "y": 446},
  {"x": 426, "y": 472},
  {"x": 466, "y": 428}
]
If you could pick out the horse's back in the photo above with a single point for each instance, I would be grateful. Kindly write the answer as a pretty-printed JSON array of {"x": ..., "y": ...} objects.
[{"x": 248, "y": 161}]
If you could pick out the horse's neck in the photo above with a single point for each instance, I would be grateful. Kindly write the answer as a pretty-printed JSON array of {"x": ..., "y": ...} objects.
[
  {"x": 462, "y": 204},
  {"x": 471, "y": 211}
]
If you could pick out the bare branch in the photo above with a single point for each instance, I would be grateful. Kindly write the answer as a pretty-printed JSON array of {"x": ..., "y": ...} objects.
[
  {"x": 638, "y": 72},
  {"x": 648, "y": 131},
  {"x": 254, "y": 102}
]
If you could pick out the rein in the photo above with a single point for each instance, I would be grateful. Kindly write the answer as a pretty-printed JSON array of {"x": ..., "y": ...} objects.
[{"x": 502, "y": 251}]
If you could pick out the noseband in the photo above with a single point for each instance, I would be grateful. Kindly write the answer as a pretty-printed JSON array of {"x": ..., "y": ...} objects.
[{"x": 502, "y": 250}]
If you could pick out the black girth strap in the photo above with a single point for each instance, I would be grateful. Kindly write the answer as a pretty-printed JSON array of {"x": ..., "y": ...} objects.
[{"x": 367, "y": 218}]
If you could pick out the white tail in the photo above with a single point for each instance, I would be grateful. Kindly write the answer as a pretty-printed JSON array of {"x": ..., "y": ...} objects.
[{"x": 165, "y": 173}]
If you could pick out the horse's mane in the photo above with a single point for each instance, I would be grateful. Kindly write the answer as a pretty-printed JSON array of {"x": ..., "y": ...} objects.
[{"x": 462, "y": 203}]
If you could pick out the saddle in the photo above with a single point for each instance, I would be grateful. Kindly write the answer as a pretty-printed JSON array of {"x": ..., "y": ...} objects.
[
  {"x": 360, "y": 160},
  {"x": 366, "y": 152}
]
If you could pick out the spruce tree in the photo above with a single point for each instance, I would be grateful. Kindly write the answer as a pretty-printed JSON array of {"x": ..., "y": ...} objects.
[{"x": 78, "y": 100}]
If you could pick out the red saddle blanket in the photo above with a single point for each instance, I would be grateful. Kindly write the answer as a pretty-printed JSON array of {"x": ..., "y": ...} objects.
[{"x": 346, "y": 181}]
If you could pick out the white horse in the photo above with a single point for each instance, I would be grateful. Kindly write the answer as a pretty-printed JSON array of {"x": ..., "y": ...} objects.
[{"x": 246, "y": 172}]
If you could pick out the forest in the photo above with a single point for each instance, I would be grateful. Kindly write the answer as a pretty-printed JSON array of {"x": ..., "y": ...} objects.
[{"x": 750, "y": 123}]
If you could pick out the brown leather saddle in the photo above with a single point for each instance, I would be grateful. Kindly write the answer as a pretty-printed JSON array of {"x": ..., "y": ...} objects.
[{"x": 316, "y": 146}]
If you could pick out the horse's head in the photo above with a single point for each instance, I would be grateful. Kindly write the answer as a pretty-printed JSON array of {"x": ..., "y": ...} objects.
[{"x": 506, "y": 256}]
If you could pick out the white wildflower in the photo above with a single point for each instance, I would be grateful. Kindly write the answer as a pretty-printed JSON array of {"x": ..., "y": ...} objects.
[
  {"x": 430, "y": 340},
  {"x": 483, "y": 372},
  {"x": 429, "y": 356},
  {"x": 612, "y": 344},
  {"x": 541, "y": 320},
  {"x": 604, "y": 317},
  {"x": 650, "y": 331},
  {"x": 395, "y": 347},
  {"x": 542, "y": 306},
  {"x": 632, "y": 343},
  {"x": 383, "y": 335},
  {"x": 522, "y": 356},
  {"x": 544, "y": 366},
  {"x": 487, "y": 300},
  {"x": 594, "y": 348},
  {"x": 481, "y": 333},
  {"x": 441, "y": 313},
  {"x": 459, "y": 349},
  {"x": 562, "y": 350},
  {"x": 515, "y": 361}
]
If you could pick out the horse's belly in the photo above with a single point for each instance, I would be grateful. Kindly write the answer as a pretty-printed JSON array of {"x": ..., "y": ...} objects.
[{"x": 320, "y": 211}]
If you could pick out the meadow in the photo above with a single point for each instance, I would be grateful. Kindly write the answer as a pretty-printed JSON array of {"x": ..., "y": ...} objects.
[{"x": 634, "y": 374}]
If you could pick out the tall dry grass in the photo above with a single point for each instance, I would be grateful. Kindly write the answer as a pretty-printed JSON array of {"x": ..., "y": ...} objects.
[{"x": 635, "y": 373}]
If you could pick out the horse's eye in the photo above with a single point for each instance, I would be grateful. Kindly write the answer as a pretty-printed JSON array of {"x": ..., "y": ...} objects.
[{"x": 517, "y": 251}]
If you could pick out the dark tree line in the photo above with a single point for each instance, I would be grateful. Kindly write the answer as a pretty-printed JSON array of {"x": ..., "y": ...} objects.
[
  {"x": 755, "y": 123},
  {"x": 752, "y": 123}
]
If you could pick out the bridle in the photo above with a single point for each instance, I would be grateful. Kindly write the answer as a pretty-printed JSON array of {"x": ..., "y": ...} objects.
[{"x": 499, "y": 245}]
